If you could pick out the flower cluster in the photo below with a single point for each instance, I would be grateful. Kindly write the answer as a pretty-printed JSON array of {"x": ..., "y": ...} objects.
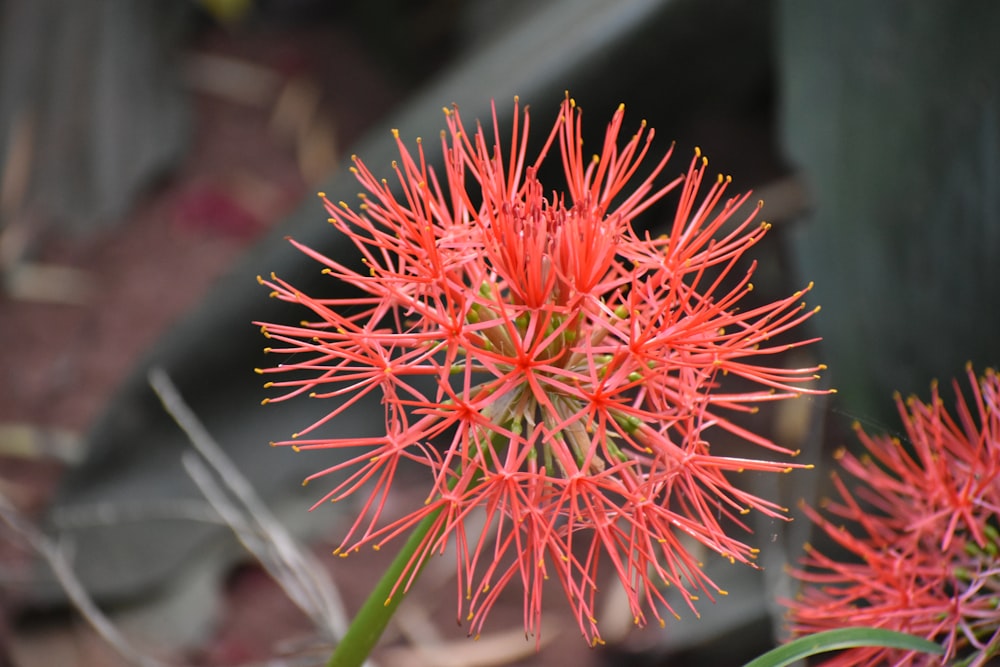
[
  {"x": 921, "y": 549},
  {"x": 574, "y": 365}
]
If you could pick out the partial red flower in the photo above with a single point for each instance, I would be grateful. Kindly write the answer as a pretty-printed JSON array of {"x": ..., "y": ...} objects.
[
  {"x": 918, "y": 535},
  {"x": 556, "y": 371}
]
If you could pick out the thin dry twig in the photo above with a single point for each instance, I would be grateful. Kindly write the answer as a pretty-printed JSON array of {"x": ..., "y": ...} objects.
[
  {"x": 90, "y": 515},
  {"x": 230, "y": 500},
  {"x": 56, "y": 559},
  {"x": 303, "y": 579}
]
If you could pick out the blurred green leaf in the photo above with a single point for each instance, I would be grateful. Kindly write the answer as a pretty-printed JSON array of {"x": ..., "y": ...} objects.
[{"x": 834, "y": 640}]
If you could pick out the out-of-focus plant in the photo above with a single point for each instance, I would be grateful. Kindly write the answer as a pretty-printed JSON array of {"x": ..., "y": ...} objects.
[{"x": 918, "y": 535}]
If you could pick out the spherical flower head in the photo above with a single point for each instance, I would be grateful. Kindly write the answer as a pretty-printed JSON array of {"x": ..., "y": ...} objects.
[
  {"x": 919, "y": 535},
  {"x": 556, "y": 371}
]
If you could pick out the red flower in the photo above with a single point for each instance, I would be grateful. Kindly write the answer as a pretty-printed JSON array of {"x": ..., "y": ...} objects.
[
  {"x": 923, "y": 539},
  {"x": 575, "y": 365}
]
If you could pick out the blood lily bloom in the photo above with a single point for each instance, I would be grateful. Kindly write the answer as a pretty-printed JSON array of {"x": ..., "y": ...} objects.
[
  {"x": 921, "y": 535},
  {"x": 556, "y": 371}
]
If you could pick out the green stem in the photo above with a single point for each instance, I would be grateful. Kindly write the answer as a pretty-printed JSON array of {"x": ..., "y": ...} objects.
[{"x": 370, "y": 621}]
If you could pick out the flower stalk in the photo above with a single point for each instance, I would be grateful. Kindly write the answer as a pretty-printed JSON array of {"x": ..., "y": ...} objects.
[{"x": 374, "y": 615}]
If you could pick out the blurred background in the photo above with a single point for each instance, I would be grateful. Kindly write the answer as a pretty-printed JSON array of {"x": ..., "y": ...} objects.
[{"x": 153, "y": 156}]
